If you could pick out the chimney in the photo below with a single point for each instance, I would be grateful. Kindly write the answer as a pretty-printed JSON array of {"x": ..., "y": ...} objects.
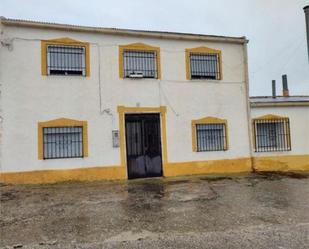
[
  {"x": 274, "y": 89},
  {"x": 306, "y": 9},
  {"x": 285, "y": 89}
]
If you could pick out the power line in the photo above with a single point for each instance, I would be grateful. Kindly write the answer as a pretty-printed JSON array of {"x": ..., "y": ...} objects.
[
  {"x": 292, "y": 55},
  {"x": 277, "y": 55}
]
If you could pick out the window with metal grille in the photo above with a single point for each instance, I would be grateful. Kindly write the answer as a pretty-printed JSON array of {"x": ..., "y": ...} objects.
[
  {"x": 272, "y": 135},
  {"x": 141, "y": 64},
  {"x": 66, "y": 60},
  {"x": 63, "y": 142},
  {"x": 205, "y": 66},
  {"x": 210, "y": 137}
]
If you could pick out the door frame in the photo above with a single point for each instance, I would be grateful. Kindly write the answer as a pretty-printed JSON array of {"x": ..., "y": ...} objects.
[{"x": 122, "y": 110}]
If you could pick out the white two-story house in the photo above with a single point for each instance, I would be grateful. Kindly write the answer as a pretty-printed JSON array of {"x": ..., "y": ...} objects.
[{"x": 95, "y": 103}]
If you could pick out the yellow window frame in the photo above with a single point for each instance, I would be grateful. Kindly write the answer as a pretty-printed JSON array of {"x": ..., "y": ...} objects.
[
  {"x": 209, "y": 120},
  {"x": 139, "y": 47},
  {"x": 261, "y": 119},
  {"x": 64, "y": 41},
  {"x": 61, "y": 122},
  {"x": 202, "y": 50}
]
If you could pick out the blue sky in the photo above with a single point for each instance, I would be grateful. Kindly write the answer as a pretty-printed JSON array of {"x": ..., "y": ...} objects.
[{"x": 275, "y": 28}]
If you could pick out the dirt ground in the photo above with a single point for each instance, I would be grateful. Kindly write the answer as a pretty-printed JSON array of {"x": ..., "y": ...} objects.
[{"x": 247, "y": 211}]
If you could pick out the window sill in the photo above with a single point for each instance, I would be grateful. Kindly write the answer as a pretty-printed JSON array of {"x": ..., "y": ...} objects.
[
  {"x": 65, "y": 75},
  {"x": 198, "y": 151},
  {"x": 55, "y": 158},
  {"x": 272, "y": 150},
  {"x": 207, "y": 80},
  {"x": 140, "y": 79}
]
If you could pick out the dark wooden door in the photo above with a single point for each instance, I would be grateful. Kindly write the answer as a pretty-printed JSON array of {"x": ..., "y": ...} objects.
[{"x": 143, "y": 145}]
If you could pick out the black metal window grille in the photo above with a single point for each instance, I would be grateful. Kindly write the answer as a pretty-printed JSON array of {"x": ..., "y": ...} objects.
[
  {"x": 141, "y": 63},
  {"x": 204, "y": 66},
  {"x": 272, "y": 135},
  {"x": 210, "y": 137},
  {"x": 66, "y": 60},
  {"x": 63, "y": 142}
]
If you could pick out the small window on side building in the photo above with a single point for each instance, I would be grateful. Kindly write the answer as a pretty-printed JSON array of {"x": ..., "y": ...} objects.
[{"x": 272, "y": 134}]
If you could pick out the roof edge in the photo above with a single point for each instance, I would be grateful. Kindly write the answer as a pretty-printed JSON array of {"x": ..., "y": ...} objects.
[
  {"x": 128, "y": 32},
  {"x": 279, "y": 96},
  {"x": 279, "y": 104}
]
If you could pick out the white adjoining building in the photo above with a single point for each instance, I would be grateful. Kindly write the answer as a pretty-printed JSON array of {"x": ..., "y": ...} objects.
[
  {"x": 87, "y": 103},
  {"x": 281, "y": 125}
]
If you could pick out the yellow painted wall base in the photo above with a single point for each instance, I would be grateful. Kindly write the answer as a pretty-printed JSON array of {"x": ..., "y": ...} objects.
[
  {"x": 53, "y": 176},
  {"x": 239, "y": 165},
  {"x": 282, "y": 163},
  {"x": 208, "y": 167}
]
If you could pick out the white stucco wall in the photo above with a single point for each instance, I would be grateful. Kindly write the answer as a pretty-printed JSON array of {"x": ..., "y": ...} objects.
[
  {"x": 28, "y": 97},
  {"x": 299, "y": 123}
]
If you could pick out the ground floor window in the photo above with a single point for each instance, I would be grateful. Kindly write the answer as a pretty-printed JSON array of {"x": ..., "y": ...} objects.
[
  {"x": 62, "y": 138},
  {"x": 209, "y": 134},
  {"x": 63, "y": 142},
  {"x": 210, "y": 137},
  {"x": 272, "y": 133}
]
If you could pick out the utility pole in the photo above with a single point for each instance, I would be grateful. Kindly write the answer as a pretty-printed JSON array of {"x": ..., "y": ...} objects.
[{"x": 306, "y": 9}]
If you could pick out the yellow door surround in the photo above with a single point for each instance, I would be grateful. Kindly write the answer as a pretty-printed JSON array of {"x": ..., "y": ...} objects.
[
  {"x": 271, "y": 118},
  {"x": 122, "y": 110}
]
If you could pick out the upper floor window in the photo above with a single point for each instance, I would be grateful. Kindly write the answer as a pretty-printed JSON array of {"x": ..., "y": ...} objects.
[
  {"x": 140, "y": 64},
  {"x": 66, "y": 60},
  {"x": 203, "y": 63},
  {"x": 209, "y": 134},
  {"x": 139, "y": 61},
  {"x": 62, "y": 138},
  {"x": 65, "y": 57},
  {"x": 271, "y": 133}
]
